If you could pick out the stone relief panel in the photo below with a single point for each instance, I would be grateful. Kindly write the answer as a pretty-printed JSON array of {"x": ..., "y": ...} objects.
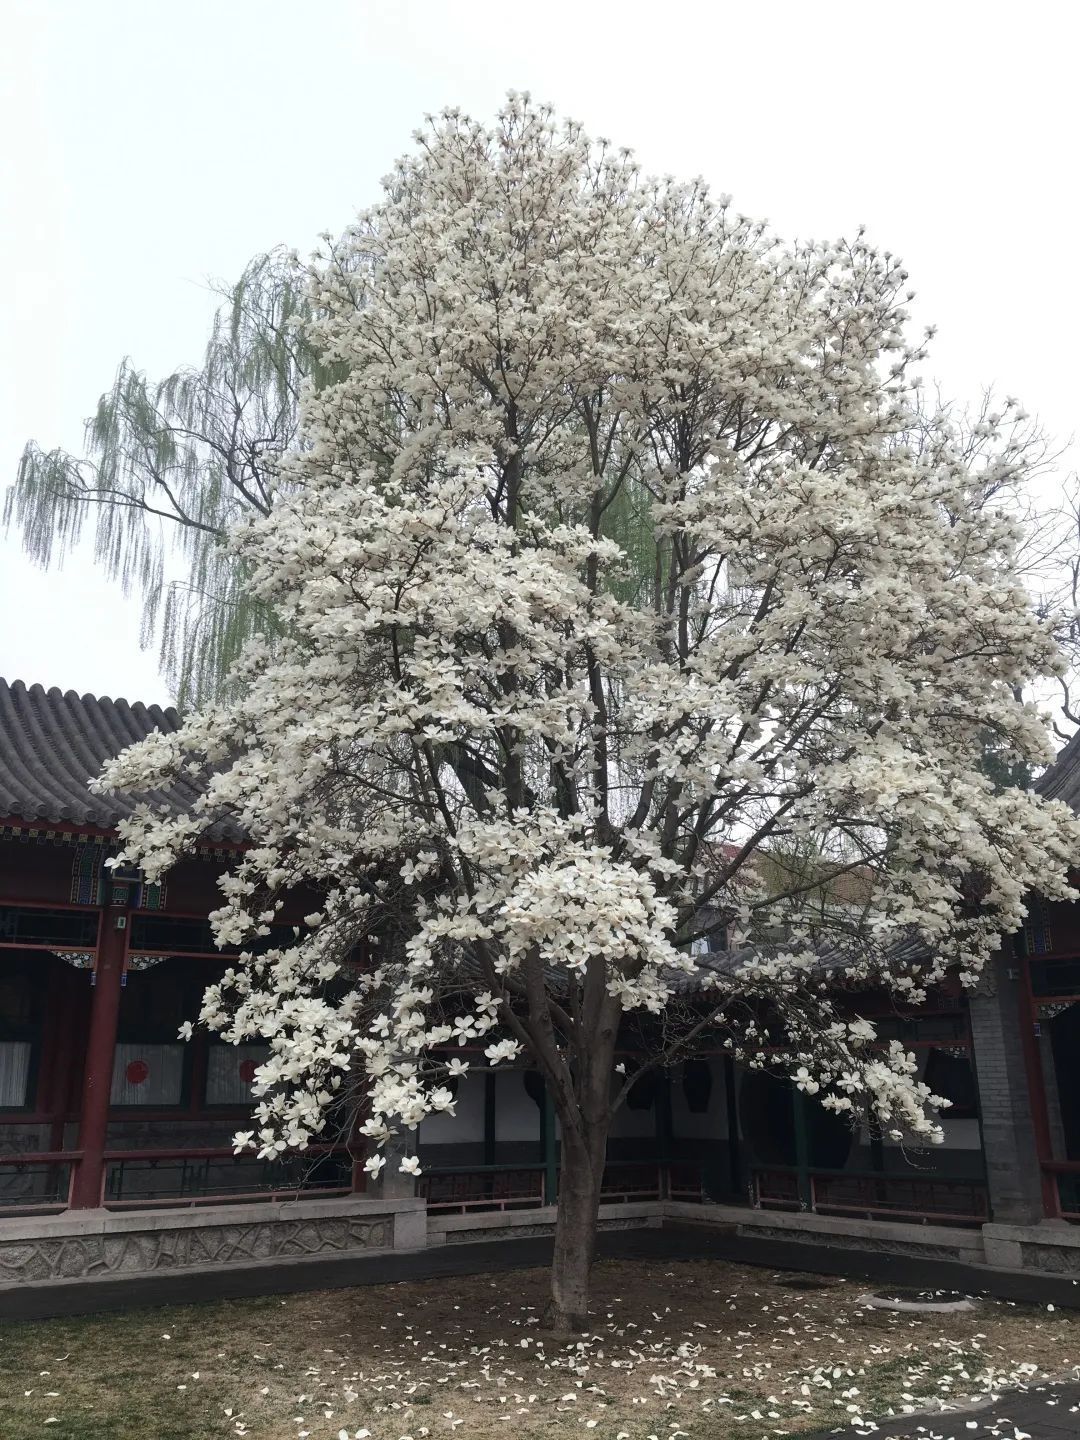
[
  {"x": 520, "y": 1232},
  {"x": 529, "y": 1232},
  {"x": 143, "y": 1251},
  {"x": 1058, "y": 1259}
]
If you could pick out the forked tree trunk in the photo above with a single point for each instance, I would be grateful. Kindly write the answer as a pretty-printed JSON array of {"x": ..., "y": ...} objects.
[
  {"x": 575, "y": 1232},
  {"x": 585, "y": 1111}
]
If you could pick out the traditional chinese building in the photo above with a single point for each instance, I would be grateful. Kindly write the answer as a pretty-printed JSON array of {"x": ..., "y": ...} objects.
[{"x": 106, "y": 1114}]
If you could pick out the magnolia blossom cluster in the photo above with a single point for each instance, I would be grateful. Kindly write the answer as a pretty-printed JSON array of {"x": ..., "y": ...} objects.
[{"x": 628, "y": 596}]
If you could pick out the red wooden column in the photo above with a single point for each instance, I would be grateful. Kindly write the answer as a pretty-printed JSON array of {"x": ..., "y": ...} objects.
[
  {"x": 1040, "y": 1110},
  {"x": 86, "y": 1188}
]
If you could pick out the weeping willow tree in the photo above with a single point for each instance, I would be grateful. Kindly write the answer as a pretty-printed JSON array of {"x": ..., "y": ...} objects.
[{"x": 170, "y": 465}]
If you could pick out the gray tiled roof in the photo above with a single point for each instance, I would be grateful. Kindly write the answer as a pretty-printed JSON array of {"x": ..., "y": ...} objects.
[
  {"x": 53, "y": 742},
  {"x": 1062, "y": 780}
]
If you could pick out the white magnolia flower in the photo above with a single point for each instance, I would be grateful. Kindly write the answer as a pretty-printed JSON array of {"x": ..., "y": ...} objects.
[{"x": 502, "y": 1050}]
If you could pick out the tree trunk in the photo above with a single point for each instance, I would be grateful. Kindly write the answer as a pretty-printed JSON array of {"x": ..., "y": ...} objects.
[
  {"x": 575, "y": 1233},
  {"x": 585, "y": 1112}
]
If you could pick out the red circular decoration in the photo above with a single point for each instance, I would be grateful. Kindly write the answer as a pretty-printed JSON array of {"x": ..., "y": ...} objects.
[
  {"x": 136, "y": 1072},
  {"x": 247, "y": 1071}
]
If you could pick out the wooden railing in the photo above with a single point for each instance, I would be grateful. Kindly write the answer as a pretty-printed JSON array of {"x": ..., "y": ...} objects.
[
  {"x": 39, "y": 1182},
  {"x": 482, "y": 1187},
  {"x": 1061, "y": 1189},
  {"x": 198, "y": 1176},
  {"x": 36, "y": 1182},
  {"x": 871, "y": 1193},
  {"x": 521, "y": 1187},
  {"x": 201, "y": 1176}
]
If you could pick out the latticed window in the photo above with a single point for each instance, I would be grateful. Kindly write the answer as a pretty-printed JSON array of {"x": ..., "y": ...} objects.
[
  {"x": 230, "y": 1069},
  {"x": 23, "y": 982},
  {"x": 14, "y": 1073},
  {"x": 151, "y": 1075}
]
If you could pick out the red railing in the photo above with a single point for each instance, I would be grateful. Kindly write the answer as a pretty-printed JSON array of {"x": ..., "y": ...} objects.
[
  {"x": 1061, "y": 1189},
  {"x": 521, "y": 1187},
  {"x": 626, "y": 1180},
  {"x": 189, "y": 1190},
  {"x": 872, "y": 1194},
  {"x": 52, "y": 1196},
  {"x": 55, "y": 1169},
  {"x": 483, "y": 1187},
  {"x": 684, "y": 1183}
]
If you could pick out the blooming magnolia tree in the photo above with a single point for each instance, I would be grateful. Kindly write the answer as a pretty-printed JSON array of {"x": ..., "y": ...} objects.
[{"x": 614, "y": 578}]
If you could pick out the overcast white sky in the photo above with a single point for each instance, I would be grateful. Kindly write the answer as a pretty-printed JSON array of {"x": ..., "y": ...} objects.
[{"x": 148, "y": 146}]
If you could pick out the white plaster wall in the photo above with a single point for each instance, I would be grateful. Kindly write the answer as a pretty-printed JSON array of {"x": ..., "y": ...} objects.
[
  {"x": 464, "y": 1126},
  {"x": 710, "y": 1124},
  {"x": 631, "y": 1124},
  {"x": 959, "y": 1135},
  {"x": 517, "y": 1116},
  {"x": 740, "y": 1072}
]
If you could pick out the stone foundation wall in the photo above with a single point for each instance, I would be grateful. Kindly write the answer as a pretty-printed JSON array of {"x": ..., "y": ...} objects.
[
  {"x": 102, "y": 1244},
  {"x": 444, "y": 1229},
  {"x": 938, "y": 1242},
  {"x": 1052, "y": 1246}
]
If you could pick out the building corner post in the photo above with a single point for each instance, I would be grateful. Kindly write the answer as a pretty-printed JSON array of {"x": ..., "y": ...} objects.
[
  {"x": 111, "y": 958},
  {"x": 1012, "y": 1117}
]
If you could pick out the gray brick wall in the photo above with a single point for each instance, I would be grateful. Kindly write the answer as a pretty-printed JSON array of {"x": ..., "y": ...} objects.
[{"x": 1012, "y": 1164}]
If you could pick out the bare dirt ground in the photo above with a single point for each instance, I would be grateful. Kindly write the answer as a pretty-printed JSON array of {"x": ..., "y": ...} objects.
[{"x": 702, "y": 1349}]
